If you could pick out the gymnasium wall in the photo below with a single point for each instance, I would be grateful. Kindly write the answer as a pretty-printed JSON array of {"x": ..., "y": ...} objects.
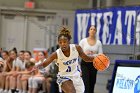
[
  {"x": 110, "y": 3},
  {"x": 69, "y": 4},
  {"x": 49, "y": 4},
  {"x": 29, "y": 30}
]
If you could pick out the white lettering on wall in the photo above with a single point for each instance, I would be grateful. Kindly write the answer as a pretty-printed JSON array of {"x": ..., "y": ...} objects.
[
  {"x": 93, "y": 16},
  {"x": 113, "y": 27},
  {"x": 128, "y": 21},
  {"x": 82, "y": 20},
  {"x": 118, "y": 30},
  {"x": 138, "y": 30},
  {"x": 99, "y": 15},
  {"x": 107, "y": 21}
]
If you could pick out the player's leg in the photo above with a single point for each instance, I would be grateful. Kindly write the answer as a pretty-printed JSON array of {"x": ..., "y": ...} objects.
[
  {"x": 36, "y": 81},
  {"x": 44, "y": 85},
  {"x": 68, "y": 87},
  {"x": 78, "y": 84},
  {"x": 24, "y": 86},
  {"x": 13, "y": 83},
  {"x": 48, "y": 84},
  {"x": 41, "y": 81},
  {"x": 24, "y": 81},
  {"x": 19, "y": 86},
  {"x": 92, "y": 79},
  {"x": 35, "y": 84},
  {"x": 2, "y": 82},
  {"x": 85, "y": 75},
  {"x": 7, "y": 84},
  {"x": 30, "y": 84}
]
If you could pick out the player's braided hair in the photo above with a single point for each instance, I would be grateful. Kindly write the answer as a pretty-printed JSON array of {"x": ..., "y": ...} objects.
[{"x": 64, "y": 32}]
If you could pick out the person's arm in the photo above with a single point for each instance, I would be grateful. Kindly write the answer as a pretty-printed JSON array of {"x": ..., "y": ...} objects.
[
  {"x": 14, "y": 66},
  {"x": 5, "y": 67},
  {"x": 1, "y": 62},
  {"x": 8, "y": 73},
  {"x": 8, "y": 62},
  {"x": 23, "y": 72},
  {"x": 49, "y": 60},
  {"x": 83, "y": 55}
]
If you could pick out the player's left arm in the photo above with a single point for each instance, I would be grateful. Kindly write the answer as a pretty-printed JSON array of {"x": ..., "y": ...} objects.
[{"x": 83, "y": 55}]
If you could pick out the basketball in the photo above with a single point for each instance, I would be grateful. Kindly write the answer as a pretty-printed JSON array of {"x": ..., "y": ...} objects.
[{"x": 101, "y": 62}]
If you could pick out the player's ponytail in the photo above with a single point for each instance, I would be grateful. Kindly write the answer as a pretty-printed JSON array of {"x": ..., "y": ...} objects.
[{"x": 64, "y": 32}]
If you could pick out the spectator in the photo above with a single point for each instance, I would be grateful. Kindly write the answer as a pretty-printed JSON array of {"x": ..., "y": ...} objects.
[{"x": 91, "y": 47}]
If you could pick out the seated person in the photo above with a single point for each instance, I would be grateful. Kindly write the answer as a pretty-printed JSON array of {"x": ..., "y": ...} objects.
[{"x": 33, "y": 77}]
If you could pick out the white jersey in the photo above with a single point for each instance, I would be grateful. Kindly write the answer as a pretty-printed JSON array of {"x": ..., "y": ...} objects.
[
  {"x": 68, "y": 66},
  {"x": 18, "y": 63},
  {"x": 92, "y": 50}
]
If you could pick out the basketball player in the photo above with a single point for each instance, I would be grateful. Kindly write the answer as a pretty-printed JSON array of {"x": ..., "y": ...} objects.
[
  {"x": 67, "y": 59},
  {"x": 91, "y": 47}
]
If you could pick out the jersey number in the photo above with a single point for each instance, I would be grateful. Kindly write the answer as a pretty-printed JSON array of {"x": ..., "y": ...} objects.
[{"x": 69, "y": 69}]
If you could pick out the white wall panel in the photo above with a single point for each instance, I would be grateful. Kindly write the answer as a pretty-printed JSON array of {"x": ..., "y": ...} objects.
[
  {"x": 132, "y": 2},
  {"x": 48, "y": 4},
  {"x": 41, "y": 33},
  {"x": 12, "y": 32},
  {"x": 29, "y": 32},
  {"x": 68, "y": 18},
  {"x": 35, "y": 33}
]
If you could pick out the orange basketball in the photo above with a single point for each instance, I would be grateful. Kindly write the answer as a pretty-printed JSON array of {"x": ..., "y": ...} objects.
[{"x": 101, "y": 62}]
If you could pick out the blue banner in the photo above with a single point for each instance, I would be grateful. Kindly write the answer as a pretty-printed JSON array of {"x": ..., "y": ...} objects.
[{"x": 115, "y": 26}]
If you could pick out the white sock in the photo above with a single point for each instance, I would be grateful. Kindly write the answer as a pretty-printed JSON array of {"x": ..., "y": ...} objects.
[
  {"x": 24, "y": 91},
  {"x": 19, "y": 90}
]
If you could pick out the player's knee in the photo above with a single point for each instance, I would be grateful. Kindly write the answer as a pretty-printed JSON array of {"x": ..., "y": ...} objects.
[
  {"x": 19, "y": 76},
  {"x": 71, "y": 90},
  {"x": 7, "y": 78}
]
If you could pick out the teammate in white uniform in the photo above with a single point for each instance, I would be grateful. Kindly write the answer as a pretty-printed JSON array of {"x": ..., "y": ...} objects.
[{"x": 67, "y": 59}]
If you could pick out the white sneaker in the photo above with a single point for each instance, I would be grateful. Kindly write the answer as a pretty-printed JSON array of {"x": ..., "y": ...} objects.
[
  {"x": 20, "y": 91},
  {"x": 1, "y": 90},
  {"x": 40, "y": 92},
  {"x": 9, "y": 91},
  {"x": 5, "y": 91},
  {"x": 24, "y": 91}
]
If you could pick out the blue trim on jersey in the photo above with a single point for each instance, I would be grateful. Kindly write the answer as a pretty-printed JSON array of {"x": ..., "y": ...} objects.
[
  {"x": 70, "y": 61},
  {"x": 61, "y": 79},
  {"x": 78, "y": 69}
]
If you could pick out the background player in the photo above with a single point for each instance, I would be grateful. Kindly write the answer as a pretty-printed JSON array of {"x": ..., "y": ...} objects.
[{"x": 91, "y": 47}]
